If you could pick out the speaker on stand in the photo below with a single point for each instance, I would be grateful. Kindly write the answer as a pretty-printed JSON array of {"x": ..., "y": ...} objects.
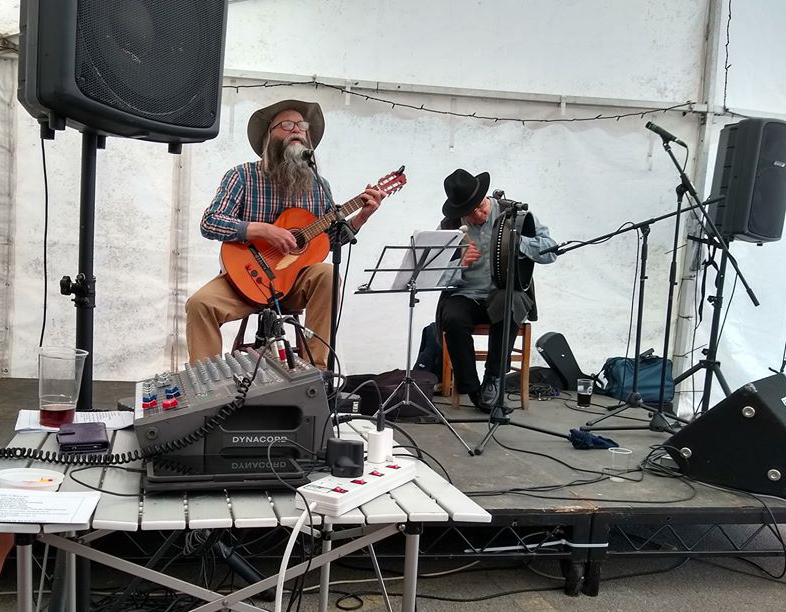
[
  {"x": 750, "y": 171},
  {"x": 750, "y": 176},
  {"x": 143, "y": 69}
]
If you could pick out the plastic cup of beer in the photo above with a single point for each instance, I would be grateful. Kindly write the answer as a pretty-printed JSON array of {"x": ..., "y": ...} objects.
[
  {"x": 619, "y": 463},
  {"x": 59, "y": 380},
  {"x": 584, "y": 392}
]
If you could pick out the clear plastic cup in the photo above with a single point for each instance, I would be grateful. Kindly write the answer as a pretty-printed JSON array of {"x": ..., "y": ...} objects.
[
  {"x": 59, "y": 380},
  {"x": 619, "y": 463}
]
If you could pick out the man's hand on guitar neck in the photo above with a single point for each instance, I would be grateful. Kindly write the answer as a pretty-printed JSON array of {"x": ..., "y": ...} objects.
[
  {"x": 277, "y": 237},
  {"x": 371, "y": 197}
]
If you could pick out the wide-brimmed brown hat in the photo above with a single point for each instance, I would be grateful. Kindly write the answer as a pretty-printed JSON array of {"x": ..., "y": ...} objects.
[
  {"x": 465, "y": 192},
  {"x": 259, "y": 123}
]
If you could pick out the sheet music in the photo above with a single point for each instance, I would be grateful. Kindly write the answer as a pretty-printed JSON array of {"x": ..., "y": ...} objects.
[
  {"x": 71, "y": 508},
  {"x": 428, "y": 243}
]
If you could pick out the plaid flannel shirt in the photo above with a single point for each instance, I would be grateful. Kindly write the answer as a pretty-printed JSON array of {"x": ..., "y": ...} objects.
[{"x": 245, "y": 195}]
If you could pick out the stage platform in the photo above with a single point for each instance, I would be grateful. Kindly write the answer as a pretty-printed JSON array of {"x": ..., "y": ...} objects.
[
  {"x": 550, "y": 513},
  {"x": 582, "y": 526}
]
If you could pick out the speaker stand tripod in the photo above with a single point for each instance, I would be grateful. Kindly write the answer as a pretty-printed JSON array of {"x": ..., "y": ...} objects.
[{"x": 710, "y": 363}]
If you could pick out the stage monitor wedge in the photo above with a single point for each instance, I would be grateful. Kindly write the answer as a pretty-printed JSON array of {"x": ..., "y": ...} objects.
[
  {"x": 145, "y": 69},
  {"x": 750, "y": 171},
  {"x": 740, "y": 442}
]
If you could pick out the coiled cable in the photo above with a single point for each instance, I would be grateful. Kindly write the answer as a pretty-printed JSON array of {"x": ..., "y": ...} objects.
[{"x": 145, "y": 454}]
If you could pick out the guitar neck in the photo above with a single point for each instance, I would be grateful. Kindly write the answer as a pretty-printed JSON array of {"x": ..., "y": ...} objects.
[{"x": 326, "y": 220}]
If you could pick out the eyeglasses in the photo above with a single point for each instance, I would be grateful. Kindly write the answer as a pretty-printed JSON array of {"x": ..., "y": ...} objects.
[{"x": 288, "y": 125}]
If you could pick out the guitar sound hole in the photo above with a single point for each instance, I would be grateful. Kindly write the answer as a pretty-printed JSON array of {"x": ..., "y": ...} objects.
[{"x": 300, "y": 239}]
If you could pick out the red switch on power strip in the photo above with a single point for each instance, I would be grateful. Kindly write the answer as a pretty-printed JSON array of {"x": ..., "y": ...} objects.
[{"x": 359, "y": 481}]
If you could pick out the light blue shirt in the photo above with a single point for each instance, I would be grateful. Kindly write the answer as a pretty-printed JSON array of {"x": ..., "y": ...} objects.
[{"x": 475, "y": 282}]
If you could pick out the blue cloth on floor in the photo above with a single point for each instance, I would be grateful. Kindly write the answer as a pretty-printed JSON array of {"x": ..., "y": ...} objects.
[{"x": 585, "y": 440}]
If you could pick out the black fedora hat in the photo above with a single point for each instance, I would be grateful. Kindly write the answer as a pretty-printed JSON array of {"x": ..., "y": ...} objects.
[
  {"x": 259, "y": 123},
  {"x": 464, "y": 192}
]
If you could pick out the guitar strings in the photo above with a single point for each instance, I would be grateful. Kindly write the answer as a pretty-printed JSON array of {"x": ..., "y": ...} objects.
[{"x": 356, "y": 203}]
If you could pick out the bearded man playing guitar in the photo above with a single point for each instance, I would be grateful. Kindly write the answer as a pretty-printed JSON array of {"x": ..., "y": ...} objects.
[
  {"x": 479, "y": 298},
  {"x": 250, "y": 198}
]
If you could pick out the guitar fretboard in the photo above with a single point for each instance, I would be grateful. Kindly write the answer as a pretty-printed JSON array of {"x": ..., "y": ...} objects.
[{"x": 325, "y": 221}]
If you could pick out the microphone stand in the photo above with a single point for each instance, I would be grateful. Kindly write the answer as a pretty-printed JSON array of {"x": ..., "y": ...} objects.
[
  {"x": 498, "y": 415},
  {"x": 711, "y": 365},
  {"x": 340, "y": 231},
  {"x": 658, "y": 422}
]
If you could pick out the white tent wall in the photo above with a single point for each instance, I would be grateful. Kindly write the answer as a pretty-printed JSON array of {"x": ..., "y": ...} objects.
[
  {"x": 641, "y": 49},
  {"x": 581, "y": 179}
]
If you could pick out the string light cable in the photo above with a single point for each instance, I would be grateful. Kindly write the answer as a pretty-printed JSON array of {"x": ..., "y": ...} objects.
[{"x": 685, "y": 107}]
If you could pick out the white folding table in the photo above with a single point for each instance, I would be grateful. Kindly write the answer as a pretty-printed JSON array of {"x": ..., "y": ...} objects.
[{"x": 427, "y": 499}]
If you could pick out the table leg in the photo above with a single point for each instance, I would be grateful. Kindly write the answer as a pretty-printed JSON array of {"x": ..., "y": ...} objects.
[
  {"x": 324, "y": 576},
  {"x": 24, "y": 572},
  {"x": 411, "y": 555},
  {"x": 70, "y": 587}
]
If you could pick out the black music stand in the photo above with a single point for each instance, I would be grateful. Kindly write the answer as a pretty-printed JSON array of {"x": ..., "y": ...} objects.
[{"x": 419, "y": 259}]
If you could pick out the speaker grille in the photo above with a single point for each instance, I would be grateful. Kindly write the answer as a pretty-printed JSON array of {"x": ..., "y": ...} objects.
[
  {"x": 750, "y": 171},
  {"x": 768, "y": 204},
  {"x": 150, "y": 57}
]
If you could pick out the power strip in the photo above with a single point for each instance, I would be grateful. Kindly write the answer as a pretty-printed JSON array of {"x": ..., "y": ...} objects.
[{"x": 335, "y": 496}]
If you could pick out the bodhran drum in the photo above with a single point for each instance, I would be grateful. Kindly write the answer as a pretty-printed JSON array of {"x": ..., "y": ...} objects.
[{"x": 500, "y": 244}]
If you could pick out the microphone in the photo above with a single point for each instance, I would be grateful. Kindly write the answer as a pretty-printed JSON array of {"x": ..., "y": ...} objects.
[
  {"x": 666, "y": 135},
  {"x": 307, "y": 154}
]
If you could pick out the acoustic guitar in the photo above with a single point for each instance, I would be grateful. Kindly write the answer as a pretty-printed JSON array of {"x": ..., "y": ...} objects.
[{"x": 258, "y": 271}]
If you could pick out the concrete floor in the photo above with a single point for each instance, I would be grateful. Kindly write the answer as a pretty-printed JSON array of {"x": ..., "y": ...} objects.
[{"x": 720, "y": 585}]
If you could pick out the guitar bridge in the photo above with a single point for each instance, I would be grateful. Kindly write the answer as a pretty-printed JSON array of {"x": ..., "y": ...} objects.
[{"x": 261, "y": 261}]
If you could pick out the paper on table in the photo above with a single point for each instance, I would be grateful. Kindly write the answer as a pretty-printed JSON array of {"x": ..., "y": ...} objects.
[
  {"x": 114, "y": 419},
  {"x": 49, "y": 507}
]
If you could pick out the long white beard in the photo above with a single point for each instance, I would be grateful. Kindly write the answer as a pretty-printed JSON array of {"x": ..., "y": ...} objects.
[{"x": 289, "y": 169}]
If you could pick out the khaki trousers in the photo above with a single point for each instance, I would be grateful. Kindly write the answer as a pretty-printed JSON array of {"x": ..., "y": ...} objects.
[{"x": 217, "y": 303}]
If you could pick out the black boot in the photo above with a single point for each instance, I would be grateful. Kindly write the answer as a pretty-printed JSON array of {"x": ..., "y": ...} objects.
[
  {"x": 489, "y": 389},
  {"x": 475, "y": 398},
  {"x": 488, "y": 394}
]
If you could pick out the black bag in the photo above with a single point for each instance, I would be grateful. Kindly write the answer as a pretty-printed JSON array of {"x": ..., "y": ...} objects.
[
  {"x": 430, "y": 353},
  {"x": 387, "y": 383}
]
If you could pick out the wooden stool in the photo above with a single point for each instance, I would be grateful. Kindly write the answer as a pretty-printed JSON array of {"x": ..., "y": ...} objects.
[
  {"x": 518, "y": 356},
  {"x": 240, "y": 345}
]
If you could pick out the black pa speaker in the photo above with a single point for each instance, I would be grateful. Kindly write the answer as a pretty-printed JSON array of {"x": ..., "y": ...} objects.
[
  {"x": 750, "y": 171},
  {"x": 740, "y": 442},
  {"x": 147, "y": 69},
  {"x": 556, "y": 352}
]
